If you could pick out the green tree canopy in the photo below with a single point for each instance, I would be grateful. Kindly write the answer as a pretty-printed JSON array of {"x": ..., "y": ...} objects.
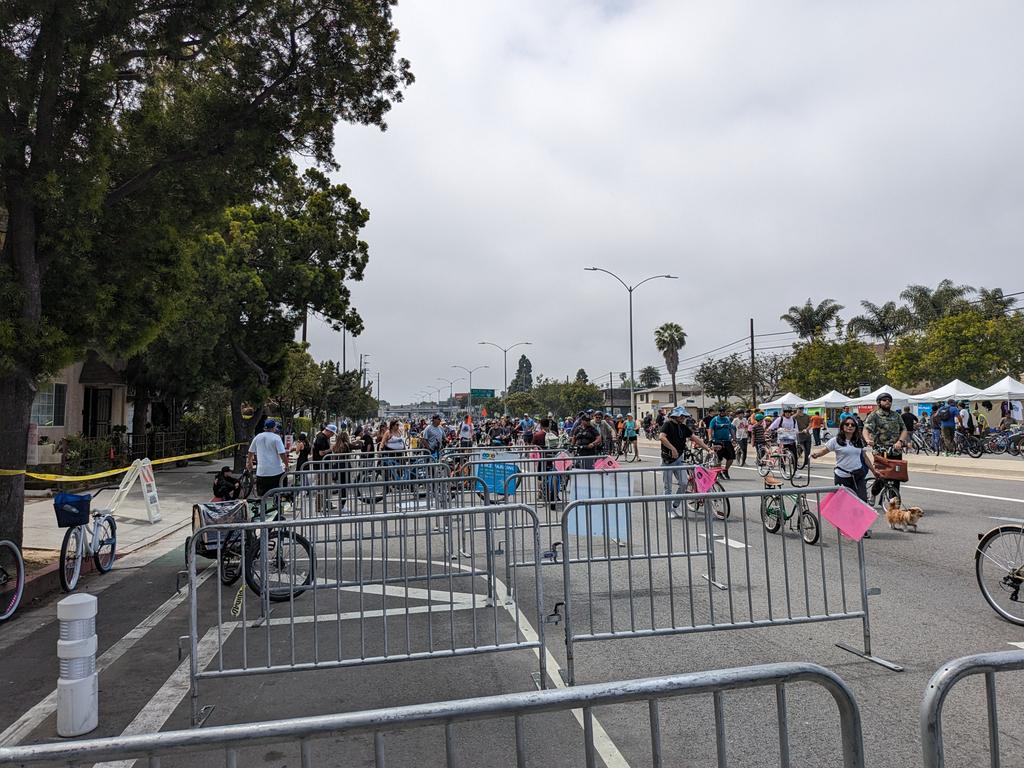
[
  {"x": 965, "y": 346},
  {"x": 581, "y": 376},
  {"x": 818, "y": 366},
  {"x": 522, "y": 402},
  {"x": 723, "y": 377},
  {"x": 649, "y": 376},
  {"x": 125, "y": 126},
  {"x": 523, "y": 381},
  {"x": 929, "y": 304},
  {"x": 885, "y": 322}
]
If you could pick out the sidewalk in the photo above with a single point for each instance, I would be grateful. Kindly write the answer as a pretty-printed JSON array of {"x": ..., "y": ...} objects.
[{"x": 179, "y": 488}]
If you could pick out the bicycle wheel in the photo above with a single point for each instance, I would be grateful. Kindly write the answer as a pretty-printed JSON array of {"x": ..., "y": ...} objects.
[
  {"x": 999, "y": 567},
  {"x": 974, "y": 447},
  {"x": 763, "y": 466},
  {"x": 771, "y": 513},
  {"x": 245, "y": 485},
  {"x": 719, "y": 507},
  {"x": 371, "y": 494},
  {"x": 692, "y": 506},
  {"x": 12, "y": 578},
  {"x": 808, "y": 525},
  {"x": 106, "y": 545},
  {"x": 788, "y": 465},
  {"x": 288, "y": 568},
  {"x": 71, "y": 556},
  {"x": 888, "y": 495}
]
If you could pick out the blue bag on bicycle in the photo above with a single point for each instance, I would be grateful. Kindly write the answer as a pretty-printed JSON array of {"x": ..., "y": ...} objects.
[{"x": 71, "y": 509}]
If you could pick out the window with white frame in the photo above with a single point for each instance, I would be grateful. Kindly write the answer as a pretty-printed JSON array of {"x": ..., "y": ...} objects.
[{"x": 49, "y": 405}]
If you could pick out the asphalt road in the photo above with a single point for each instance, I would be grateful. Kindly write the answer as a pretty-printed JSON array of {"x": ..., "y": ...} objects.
[{"x": 929, "y": 610}]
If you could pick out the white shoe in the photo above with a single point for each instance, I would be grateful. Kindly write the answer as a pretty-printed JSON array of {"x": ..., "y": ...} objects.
[{"x": 676, "y": 512}]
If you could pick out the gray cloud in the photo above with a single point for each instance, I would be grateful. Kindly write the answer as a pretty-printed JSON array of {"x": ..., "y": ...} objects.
[{"x": 764, "y": 152}]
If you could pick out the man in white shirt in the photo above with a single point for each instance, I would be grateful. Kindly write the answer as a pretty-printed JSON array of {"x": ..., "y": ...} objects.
[{"x": 268, "y": 451}]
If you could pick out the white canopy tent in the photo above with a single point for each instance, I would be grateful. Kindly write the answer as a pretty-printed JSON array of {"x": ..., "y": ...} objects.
[
  {"x": 899, "y": 399},
  {"x": 788, "y": 399},
  {"x": 956, "y": 389},
  {"x": 1004, "y": 389},
  {"x": 833, "y": 399}
]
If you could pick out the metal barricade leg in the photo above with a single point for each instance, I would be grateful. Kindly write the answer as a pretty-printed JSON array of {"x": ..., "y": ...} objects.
[{"x": 864, "y": 592}]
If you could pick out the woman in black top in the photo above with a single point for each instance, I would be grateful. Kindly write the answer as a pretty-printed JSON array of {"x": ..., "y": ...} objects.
[{"x": 303, "y": 446}]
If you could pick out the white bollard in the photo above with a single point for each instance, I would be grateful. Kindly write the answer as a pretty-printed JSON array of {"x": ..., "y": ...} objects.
[{"x": 78, "y": 684}]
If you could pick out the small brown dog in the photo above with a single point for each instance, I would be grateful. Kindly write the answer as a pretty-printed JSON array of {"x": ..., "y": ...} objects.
[{"x": 906, "y": 518}]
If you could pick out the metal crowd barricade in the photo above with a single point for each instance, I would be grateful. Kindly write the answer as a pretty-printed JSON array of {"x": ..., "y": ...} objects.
[
  {"x": 308, "y": 737},
  {"x": 627, "y": 574},
  {"x": 372, "y": 478},
  {"x": 987, "y": 664},
  {"x": 328, "y": 587}
]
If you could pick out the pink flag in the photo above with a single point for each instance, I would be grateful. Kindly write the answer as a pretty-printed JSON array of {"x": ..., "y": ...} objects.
[
  {"x": 704, "y": 479},
  {"x": 563, "y": 462},
  {"x": 606, "y": 463},
  {"x": 848, "y": 513}
]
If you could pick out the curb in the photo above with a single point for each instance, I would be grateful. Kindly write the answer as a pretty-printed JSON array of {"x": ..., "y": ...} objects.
[{"x": 46, "y": 580}]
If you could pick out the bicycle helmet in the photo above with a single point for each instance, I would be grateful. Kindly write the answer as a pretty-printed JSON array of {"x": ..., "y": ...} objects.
[
  {"x": 759, "y": 417},
  {"x": 883, "y": 396}
]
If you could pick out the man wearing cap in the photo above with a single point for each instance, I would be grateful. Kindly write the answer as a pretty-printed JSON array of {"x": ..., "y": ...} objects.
[
  {"x": 586, "y": 438},
  {"x": 322, "y": 442},
  {"x": 884, "y": 432},
  {"x": 267, "y": 449},
  {"x": 673, "y": 439},
  {"x": 721, "y": 430},
  {"x": 433, "y": 435}
]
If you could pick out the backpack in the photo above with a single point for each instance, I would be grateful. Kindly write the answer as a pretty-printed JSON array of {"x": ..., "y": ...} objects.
[{"x": 943, "y": 413}]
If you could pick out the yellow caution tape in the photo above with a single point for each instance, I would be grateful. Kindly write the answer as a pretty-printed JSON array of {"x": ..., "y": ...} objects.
[{"x": 110, "y": 472}]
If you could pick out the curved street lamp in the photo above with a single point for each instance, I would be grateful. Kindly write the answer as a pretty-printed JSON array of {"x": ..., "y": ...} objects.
[
  {"x": 504, "y": 350},
  {"x": 470, "y": 372},
  {"x": 630, "y": 289}
]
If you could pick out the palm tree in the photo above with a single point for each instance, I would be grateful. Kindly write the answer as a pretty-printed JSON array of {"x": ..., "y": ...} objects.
[
  {"x": 669, "y": 339},
  {"x": 885, "y": 322},
  {"x": 810, "y": 320},
  {"x": 992, "y": 303},
  {"x": 927, "y": 304},
  {"x": 649, "y": 377}
]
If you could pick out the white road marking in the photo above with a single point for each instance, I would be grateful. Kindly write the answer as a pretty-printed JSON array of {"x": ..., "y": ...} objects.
[
  {"x": 156, "y": 712},
  {"x": 722, "y": 539},
  {"x": 1017, "y": 645},
  {"x": 32, "y": 719}
]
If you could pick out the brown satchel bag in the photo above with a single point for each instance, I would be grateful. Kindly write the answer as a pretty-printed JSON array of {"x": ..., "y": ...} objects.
[{"x": 890, "y": 469}]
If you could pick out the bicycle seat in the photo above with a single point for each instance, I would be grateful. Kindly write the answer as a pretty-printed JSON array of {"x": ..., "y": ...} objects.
[{"x": 771, "y": 481}]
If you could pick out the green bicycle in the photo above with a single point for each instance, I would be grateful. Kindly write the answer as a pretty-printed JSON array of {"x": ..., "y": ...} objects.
[{"x": 775, "y": 510}]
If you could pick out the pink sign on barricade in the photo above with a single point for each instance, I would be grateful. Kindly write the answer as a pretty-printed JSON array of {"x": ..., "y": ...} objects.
[
  {"x": 606, "y": 463},
  {"x": 563, "y": 462},
  {"x": 848, "y": 513},
  {"x": 704, "y": 479},
  {"x": 534, "y": 455}
]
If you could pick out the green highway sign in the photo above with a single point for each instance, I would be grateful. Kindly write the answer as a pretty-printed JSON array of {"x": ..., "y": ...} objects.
[{"x": 482, "y": 392}]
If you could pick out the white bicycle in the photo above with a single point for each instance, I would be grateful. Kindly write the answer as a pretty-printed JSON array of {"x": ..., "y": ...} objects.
[{"x": 88, "y": 533}]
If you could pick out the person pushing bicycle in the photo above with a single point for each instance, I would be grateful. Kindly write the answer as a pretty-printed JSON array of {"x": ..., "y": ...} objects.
[{"x": 886, "y": 434}]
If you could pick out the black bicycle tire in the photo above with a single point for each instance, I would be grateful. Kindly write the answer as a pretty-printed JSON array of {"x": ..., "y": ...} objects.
[
  {"x": 982, "y": 545},
  {"x": 19, "y": 577},
  {"x": 778, "y": 514},
  {"x": 65, "y": 584},
  {"x": 887, "y": 494},
  {"x": 113, "y": 548},
  {"x": 802, "y": 525},
  {"x": 283, "y": 595},
  {"x": 245, "y": 485}
]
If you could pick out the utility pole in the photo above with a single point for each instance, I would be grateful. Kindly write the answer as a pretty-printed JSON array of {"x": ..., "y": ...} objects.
[
  {"x": 753, "y": 369},
  {"x": 305, "y": 319},
  {"x": 611, "y": 393},
  {"x": 344, "y": 339}
]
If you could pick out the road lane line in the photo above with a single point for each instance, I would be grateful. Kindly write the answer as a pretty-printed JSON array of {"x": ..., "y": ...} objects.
[
  {"x": 721, "y": 539},
  {"x": 34, "y": 717}
]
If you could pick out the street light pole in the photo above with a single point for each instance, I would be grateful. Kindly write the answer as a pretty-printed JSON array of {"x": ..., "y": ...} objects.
[
  {"x": 630, "y": 289},
  {"x": 470, "y": 372},
  {"x": 504, "y": 351},
  {"x": 451, "y": 388}
]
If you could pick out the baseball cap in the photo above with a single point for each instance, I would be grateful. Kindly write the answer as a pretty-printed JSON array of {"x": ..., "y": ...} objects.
[
  {"x": 332, "y": 428},
  {"x": 679, "y": 411},
  {"x": 269, "y": 424}
]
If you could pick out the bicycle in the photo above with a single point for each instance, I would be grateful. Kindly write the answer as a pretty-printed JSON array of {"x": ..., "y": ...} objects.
[
  {"x": 774, "y": 513},
  {"x": 969, "y": 444},
  {"x": 999, "y": 568},
  {"x": 82, "y": 538},
  {"x": 776, "y": 456},
  {"x": 12, "y": 578}
]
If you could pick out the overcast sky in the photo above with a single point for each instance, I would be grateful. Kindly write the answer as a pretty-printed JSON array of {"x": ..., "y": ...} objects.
[{"x": 763, "y": 152}]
